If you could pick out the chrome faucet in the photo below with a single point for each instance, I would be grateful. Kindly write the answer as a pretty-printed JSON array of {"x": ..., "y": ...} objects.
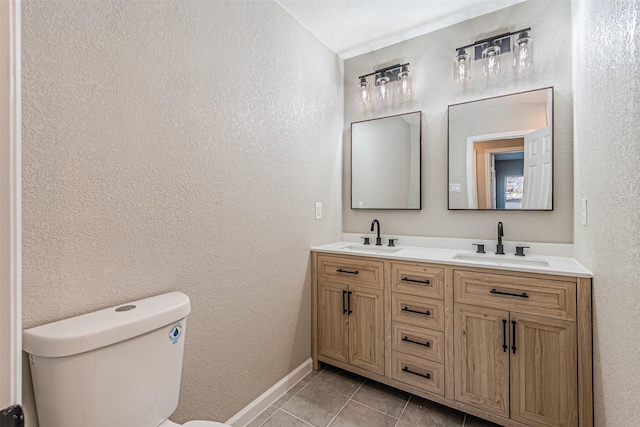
[
  {"x": 500, "y": 247},
  {"x": 378, "y": 239}
]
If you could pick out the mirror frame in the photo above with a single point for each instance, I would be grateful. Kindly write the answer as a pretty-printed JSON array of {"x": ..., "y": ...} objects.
[
  {"x": 553, "y": 156},
  {"x": 419, "y": 167}
]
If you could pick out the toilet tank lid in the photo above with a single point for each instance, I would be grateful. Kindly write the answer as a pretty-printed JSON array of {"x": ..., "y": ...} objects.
[{"x": 105, "y": 327}]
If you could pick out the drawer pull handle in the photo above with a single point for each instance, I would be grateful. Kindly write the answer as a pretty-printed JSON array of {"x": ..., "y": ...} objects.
[
  {"x": 427, "y": 375},
  {"x": 346, "y": 271},
  {"x": 344, "y": 296},
  {"x": 424, "y": 313},
  {"x": 424, "y": 282},
  {"x": 426, "y": 344},
  {"x": 522, "y": 295},
  {"x": 504, "y": 336},
  {"x": 513, "y": 344}
]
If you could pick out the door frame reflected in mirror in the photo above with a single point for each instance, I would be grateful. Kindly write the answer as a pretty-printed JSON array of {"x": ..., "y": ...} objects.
[{"x": 472, "y": 161}]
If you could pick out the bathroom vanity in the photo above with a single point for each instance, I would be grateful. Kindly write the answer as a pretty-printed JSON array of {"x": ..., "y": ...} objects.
[{"x": 505, "y": 339}]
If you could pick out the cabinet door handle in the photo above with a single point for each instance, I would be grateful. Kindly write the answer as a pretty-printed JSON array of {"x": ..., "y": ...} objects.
[
  {"x": 344, "y": 297},
  {"x": 346, "y": 271},
  {"x": 513, "y": 343},
  {"x": 349, "y": 302},
  {"x": 427, "y": 375},
  {"x": 504, "y": 335},
  {"x": 424, "y": 282},
  {"x": 426, "y": 344},
  {"x": 522, "y": 295},
  {"x": 424, "y": 313}
]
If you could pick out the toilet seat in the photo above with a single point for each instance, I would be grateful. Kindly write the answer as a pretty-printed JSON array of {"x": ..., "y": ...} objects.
[{"x": 169, "y": 423}]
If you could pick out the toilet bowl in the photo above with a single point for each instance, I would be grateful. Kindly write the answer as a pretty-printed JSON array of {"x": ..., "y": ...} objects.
[{"x": 120, "y": 366}]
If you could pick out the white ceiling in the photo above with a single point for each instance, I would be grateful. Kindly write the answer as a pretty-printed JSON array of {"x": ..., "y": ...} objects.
[{"x": 353, "y": 27}]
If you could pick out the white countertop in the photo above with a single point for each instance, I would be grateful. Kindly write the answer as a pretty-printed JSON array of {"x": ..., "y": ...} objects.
[{"x": 558, "y": 265}]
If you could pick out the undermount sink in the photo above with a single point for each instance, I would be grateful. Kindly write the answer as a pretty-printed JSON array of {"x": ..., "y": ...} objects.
[
  {"x": 501, "y": 259},
  {"x": 372, "y": 249}
]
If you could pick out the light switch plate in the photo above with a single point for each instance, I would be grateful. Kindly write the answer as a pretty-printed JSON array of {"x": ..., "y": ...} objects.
[
  {"x": 318, "y": 210},
  {"x": 454, "y": 188},
  {"x": 584, "y": 211}
]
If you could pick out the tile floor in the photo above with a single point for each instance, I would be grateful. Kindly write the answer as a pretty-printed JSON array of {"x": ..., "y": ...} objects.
[{"x": 336, "y": 398}]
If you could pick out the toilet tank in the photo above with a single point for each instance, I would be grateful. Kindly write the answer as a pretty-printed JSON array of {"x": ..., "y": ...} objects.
[{"x": 117, "y": 367}]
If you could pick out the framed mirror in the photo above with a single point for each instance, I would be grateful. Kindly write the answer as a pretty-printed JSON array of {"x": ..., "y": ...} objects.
[
  {"x": 501, "y": 152},
  {"x": 386, "y": 162}
]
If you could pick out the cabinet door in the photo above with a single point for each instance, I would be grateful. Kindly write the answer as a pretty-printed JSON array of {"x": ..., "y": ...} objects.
[
  {"x": 481, "y": 361},
  {"x": 333, "y": 338},
  {"x": 366, "y": 329},
  {"x": 544, "y": 370}
]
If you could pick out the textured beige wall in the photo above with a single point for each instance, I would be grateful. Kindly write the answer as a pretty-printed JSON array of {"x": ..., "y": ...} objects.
[
  {"x": 431, "y": 58},
  {"x": 181, "y": 145},
  {"x": 607, "y": 174}
]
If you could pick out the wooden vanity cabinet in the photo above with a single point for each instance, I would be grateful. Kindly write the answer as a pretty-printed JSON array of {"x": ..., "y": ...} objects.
[
  {"x": 516, "y": 346},
  {"x": 350, "y": 312},
  {"x": 417, "y": 323},
  {"x": 510, "y": 347},
  {"x": 544, "y": 371},
  {"x": 516, "y": 365},
  {"x": 481, "y": 361}
]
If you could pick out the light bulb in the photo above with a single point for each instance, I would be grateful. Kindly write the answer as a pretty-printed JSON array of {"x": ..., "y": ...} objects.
[
  {"x": 404, "y": 81},
  {"x": 491, "y": 60},
  {"x": 523, "y": 51},
  {"x": 363, "y": 90},
  {"x": 461, "y": 66},
  {"x": 382, "y": 83}
]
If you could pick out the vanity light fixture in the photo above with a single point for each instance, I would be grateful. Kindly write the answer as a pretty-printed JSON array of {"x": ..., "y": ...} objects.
[
  {"x": 461, "y": 66},
  {"x": 383, "y": 78},
  {"x": 489, "y": 50},
  {"x": 363, "y": 90},
  {"x": 404, "y": 81},
  {"x": 382, "y": 90},
  {"x": 523, "y": 51},
  {"x": 491, "y": 59}
]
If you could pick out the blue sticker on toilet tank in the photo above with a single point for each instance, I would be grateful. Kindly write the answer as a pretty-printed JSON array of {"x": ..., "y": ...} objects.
[{"x": 175, "y": 332}]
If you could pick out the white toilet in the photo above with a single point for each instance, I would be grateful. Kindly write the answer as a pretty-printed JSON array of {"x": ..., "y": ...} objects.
[{"x": 118, "y": 367}]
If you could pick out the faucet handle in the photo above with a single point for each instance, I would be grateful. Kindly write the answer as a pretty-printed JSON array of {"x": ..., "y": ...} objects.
[
  {"x": 520, "y": 250},
  {"x": 480, "y": 248},
  {"x": 391, "y": 242},
  {"x": 366, "y": 240}
]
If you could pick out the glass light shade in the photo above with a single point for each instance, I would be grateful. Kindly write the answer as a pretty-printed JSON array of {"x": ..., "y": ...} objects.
[
  {"x": 491, "y": 60},
  {"x": 404, "y": 82},
  {"x": 523, "y": 51},
  {"x": 363, "y": 91},
  {"x": 461, "y": 66},
  {"x": 382, "y": 82}
]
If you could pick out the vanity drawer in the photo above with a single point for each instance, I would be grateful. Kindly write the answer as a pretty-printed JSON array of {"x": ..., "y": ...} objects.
[
  {"x": 416, "y": 279},
  {"x": 419, "y": 342},
  {"x": 351, "y": 271},
  {"x": 417, "y": 311},
  {"x": 417, "y": 372},
  {"x": 543, "y": 297}
]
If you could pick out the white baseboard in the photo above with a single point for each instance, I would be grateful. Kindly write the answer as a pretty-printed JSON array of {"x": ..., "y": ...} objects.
[{"x": 267, "y": 398}]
